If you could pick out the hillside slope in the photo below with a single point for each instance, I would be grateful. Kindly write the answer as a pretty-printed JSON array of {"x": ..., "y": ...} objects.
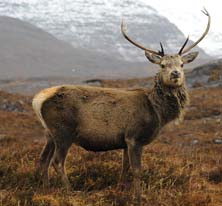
[
  {"x": 181, "y": 167},
  {"x": 27, "y": 51}
]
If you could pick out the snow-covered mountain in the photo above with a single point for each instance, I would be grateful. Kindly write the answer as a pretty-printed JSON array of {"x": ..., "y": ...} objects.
[
  {"x": 95, "y": 24},
  {"x": 187, "y": 17}
]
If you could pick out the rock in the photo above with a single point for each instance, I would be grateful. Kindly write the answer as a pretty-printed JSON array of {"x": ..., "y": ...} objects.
[
  {"x": 209, "y": 74},
  {"x": 194, "y": 142},
  {"x": 94, "y": 82},
  {"x": 217, "y": 141},
  {"x": 8, "y": 106}
]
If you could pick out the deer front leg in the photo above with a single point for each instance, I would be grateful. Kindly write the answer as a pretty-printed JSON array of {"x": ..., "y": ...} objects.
[
  {"x": 125, "y": 165},
  {"x": 135, "y": 153}
]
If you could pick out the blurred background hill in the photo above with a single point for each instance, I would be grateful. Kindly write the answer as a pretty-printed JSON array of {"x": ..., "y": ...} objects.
[{"x": 82, "y": 39}]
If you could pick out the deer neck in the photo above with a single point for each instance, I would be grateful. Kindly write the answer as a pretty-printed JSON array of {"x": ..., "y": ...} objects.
[{"x": 168, "y": 102}]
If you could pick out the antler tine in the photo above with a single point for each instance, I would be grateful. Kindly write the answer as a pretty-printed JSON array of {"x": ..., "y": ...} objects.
[
  {"x": 203, "y": 35},
  {"x": 205, "y": 11},
  {"x": 161, "y": 53},
  {"x": 185, "y": 43},
  {"x": 124, "y": 32}
]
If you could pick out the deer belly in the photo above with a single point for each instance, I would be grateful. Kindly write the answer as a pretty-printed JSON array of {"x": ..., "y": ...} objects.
[{"x": 100, "y": 140}]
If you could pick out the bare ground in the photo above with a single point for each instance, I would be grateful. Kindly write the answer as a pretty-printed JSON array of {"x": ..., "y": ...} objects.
[{"x": 183, "y": 166}]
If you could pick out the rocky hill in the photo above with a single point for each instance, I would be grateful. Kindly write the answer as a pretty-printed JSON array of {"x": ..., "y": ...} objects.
[{"x": 206, "y": 75}]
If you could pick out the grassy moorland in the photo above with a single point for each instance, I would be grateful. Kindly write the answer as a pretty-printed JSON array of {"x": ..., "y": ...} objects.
[{"x": 182, "y": 167}]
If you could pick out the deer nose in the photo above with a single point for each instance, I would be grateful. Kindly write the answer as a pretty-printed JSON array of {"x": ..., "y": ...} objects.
[{"x": 175, "y": 74}]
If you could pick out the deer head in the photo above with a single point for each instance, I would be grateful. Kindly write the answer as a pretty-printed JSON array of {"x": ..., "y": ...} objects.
[{"x": 171, "y": 73}]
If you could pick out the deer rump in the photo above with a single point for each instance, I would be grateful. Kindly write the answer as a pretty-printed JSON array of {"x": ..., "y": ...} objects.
[{"x": 97, "y": 119}]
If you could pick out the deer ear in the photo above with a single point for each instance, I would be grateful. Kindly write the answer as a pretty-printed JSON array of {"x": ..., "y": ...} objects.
[
  {"x": 189, "y": 57},
  {"x": 154, "y": 58}
]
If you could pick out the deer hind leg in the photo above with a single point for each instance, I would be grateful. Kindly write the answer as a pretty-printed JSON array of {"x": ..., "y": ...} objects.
[
  {"x": 59, "y": 163},
  {"x": 45, "y": 159},
  {"x": 135, "y": 153},
  {"x": 62, "y": 145}
]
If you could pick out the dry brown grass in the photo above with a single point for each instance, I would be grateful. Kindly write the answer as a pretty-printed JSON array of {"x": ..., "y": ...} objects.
[{"x": 182, "y": 167}]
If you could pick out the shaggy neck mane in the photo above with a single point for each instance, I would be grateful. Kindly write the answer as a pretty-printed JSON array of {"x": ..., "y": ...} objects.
[{"x": 168, "y": 102}]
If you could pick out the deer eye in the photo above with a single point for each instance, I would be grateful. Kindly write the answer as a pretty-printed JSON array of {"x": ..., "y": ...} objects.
[
  {"x": 162, "y": 66},
  {"x": 181, "y": 65}
]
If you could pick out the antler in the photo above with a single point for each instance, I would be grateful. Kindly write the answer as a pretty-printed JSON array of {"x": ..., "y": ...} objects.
[
  {"x": 124, "y": 30},
  {"x": 181, "y": 50},
  {"x": 198, "y": 41},
  {"x": 162, "y": 50}
]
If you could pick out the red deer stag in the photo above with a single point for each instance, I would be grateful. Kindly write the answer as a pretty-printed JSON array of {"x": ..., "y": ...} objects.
[{"x": 102, "y": 119}]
